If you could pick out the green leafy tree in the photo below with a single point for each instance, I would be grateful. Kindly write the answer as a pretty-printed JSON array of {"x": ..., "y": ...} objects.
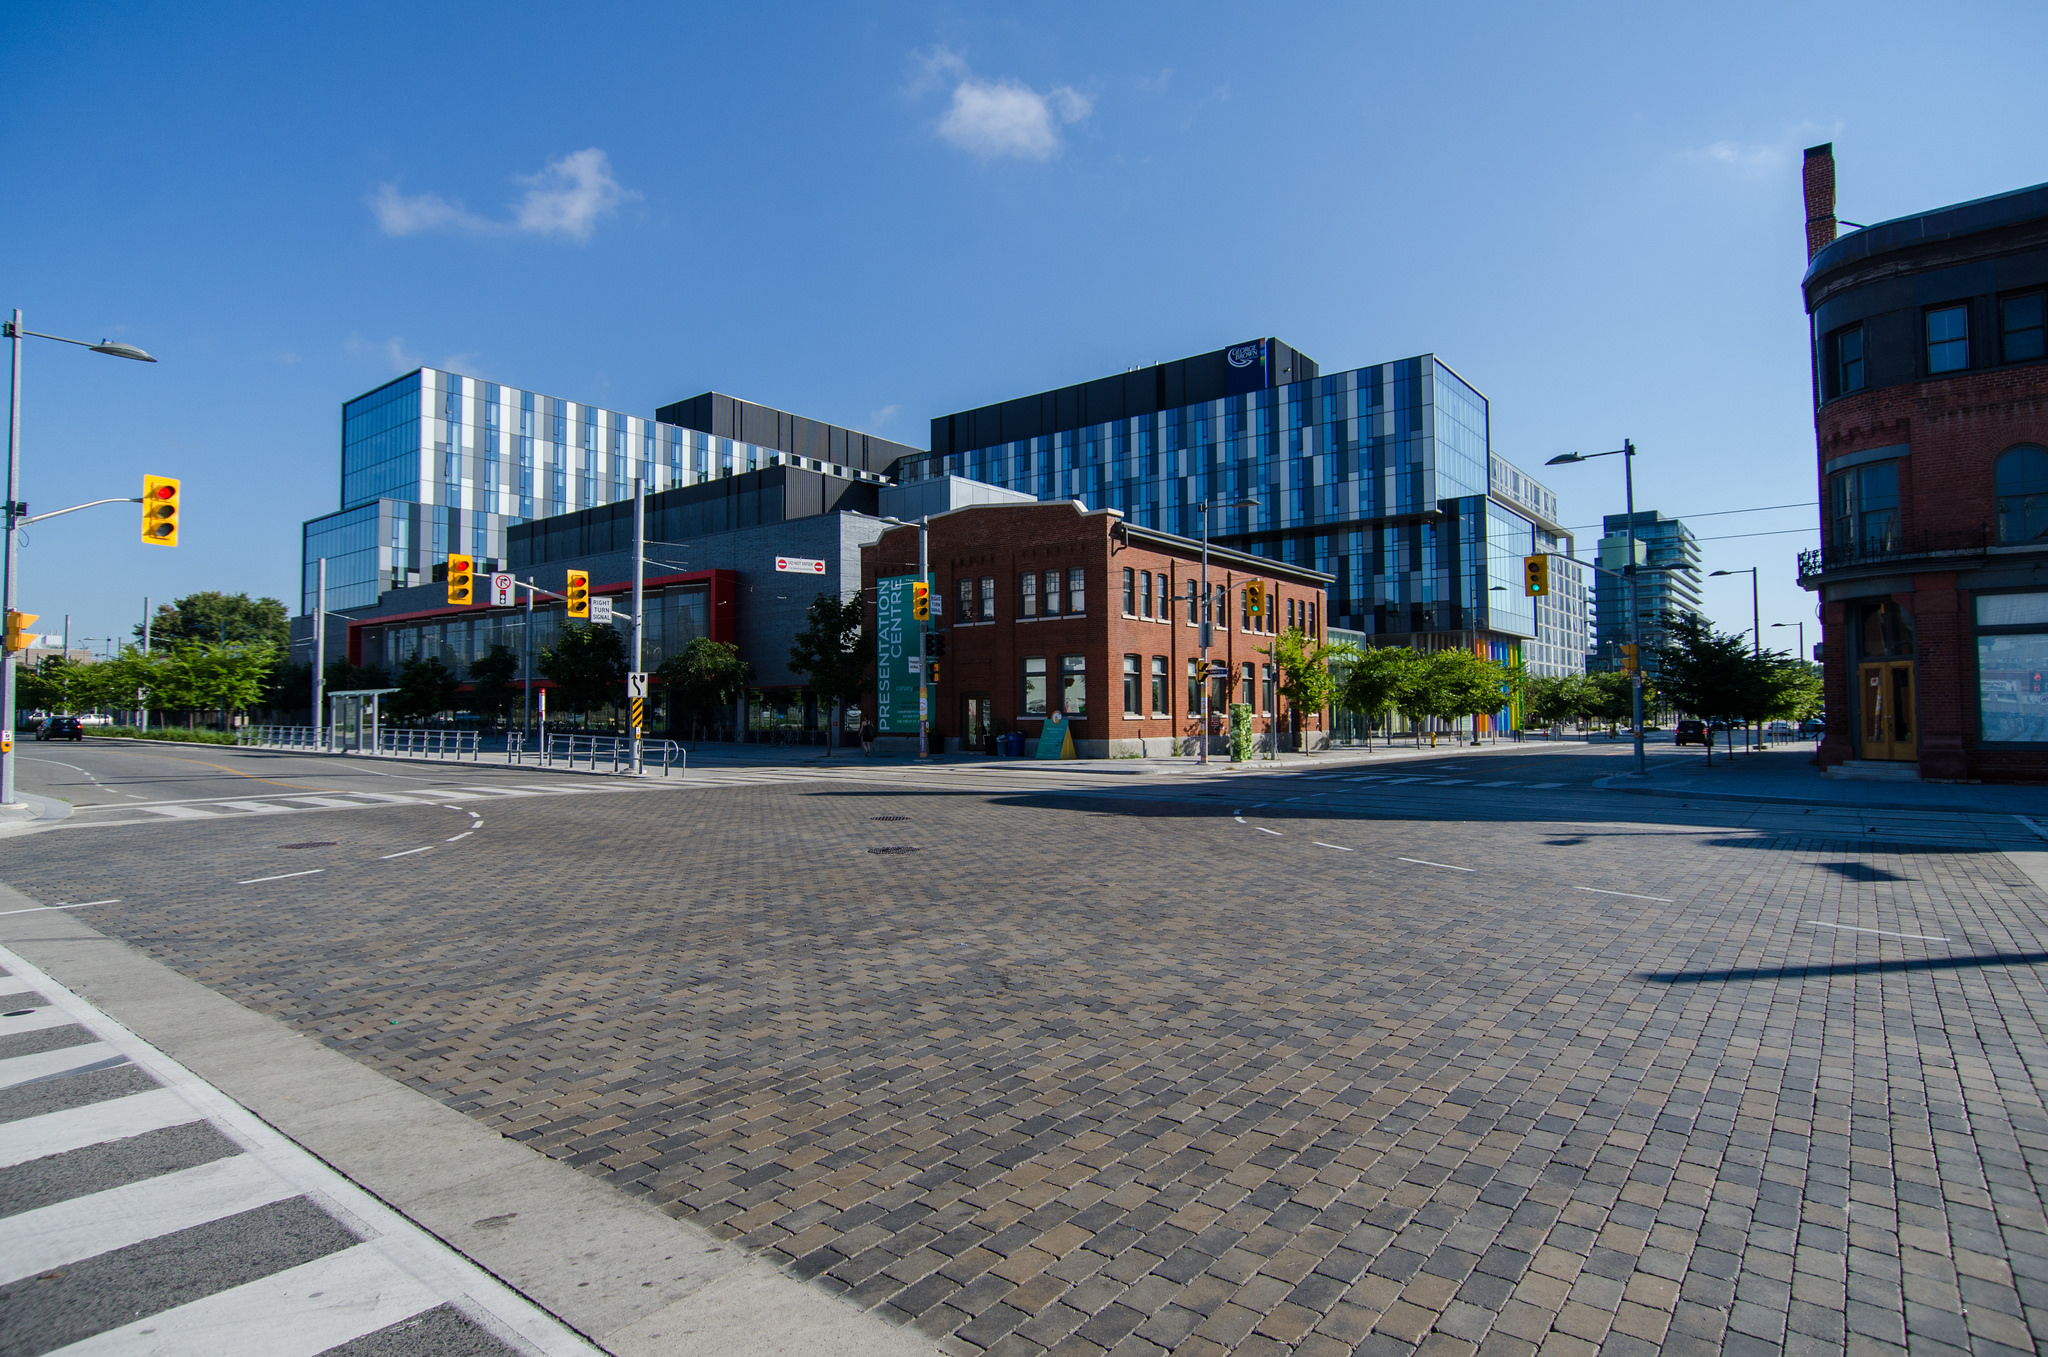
[
  {"x": 1305, "y": 679},
  {"x": 703, "y": 680},
  {"x": 1375, "y": 678},
  {"x": 1557, "y": 699},
  {"x": 57, "y": 684},
  {"x": 587, "y": 666},
  {"x": 1241, "y": 733},
  {"x": 834, "y": 653},
  {"x": 1465, "y": 685},
  {"x": 1709, "y": 672},
  {"x": 217, "y": 617},
  {"x": 494, "y": 689},
  {"x": 426, "y": 688}
]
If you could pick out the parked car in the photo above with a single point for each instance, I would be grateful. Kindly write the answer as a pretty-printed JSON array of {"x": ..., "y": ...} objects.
[
  {"x": 61, "y": 728},
  {"x": 1814, "y": 727},
  {"x": 1691, "y": 732}
]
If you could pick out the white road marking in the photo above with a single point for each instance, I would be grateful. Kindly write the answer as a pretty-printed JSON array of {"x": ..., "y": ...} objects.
[
  {"x": 295, "y": 1313},
  {"x": 26, "y": 1069},
  {"x": 2032, "y": 824},
  {"x": 35, "y": 1020},
  {"x": 332, "y": 802},
  {"x": 1239, "y": 818},
  {"x": 175, "y": 812},
  {"x": 1274, "y": 832},
  {"x": 1451, "y": 781},
  {"x": 99, "y": 1222},
  {"x": 254, "y": 807},
  {"x": 1629, "y": 894},
  {"x": 463, "y": 835},
  {"x": 1424, "y": 862},
  {"x": 1338, "y": 846},
  {"x": 96, "y": 1123},
  {"x": 40, "y": 908},
  {"x": 1541, "y": 786},
  {"x": 282, "y": 876},
  {"x": 14, "y": 984},
  {"x": 1851, "y": 928},
  {"x": 1496, "y": 784},
  {"x": 406, "y": 854}
]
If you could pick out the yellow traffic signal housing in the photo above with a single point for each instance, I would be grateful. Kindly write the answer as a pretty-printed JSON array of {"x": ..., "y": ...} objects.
[
  {"x": 160, "y": 511},
  {"x": 921, "y": 601},
  {"x": 579, "y": 593},
  {"x": 461, "y": 580},
  {"x": 1536, "y": 576},
  {"x": 1255, "y": 597},
  {"x": 18, "y": 637},
  {"x": 1630, "y": 659}
]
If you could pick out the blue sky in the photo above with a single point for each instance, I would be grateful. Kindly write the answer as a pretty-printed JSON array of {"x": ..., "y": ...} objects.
[{"x": 1592, "y": 212}]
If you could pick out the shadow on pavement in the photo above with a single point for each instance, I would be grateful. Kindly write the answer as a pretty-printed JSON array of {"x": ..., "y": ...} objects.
[{"x": 1948, "y": 963}]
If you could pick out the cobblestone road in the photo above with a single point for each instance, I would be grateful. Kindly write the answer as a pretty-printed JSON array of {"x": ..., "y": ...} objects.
[{"x": 1211, "y": 1071}]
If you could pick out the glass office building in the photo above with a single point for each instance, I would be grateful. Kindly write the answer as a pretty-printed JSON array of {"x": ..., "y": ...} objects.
[
  {"x": 1668, "y": 586},
  {"x": 435, "y": 462},
  {"x": 1382, "y": 476}
]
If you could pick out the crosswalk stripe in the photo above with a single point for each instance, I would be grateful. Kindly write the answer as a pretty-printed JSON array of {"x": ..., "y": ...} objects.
[
  {"x": 26, "y": 1069},
  {"x": 253, "y": 807},
  {"x": 100, "y": 1222},
  {"x": 333, "y": 801},
  {"x": 295, "y": 1313},
  {"x": 175, "y": 812},
  {"x": 1542, "y": 786},
  {"x": 501, "y": 791},
  {"x": 76, "y": 1127},
  {"x": 35, "y": 1020},
  {"x": 14, "y": 984},
  {"x": 391, "y": 798}
]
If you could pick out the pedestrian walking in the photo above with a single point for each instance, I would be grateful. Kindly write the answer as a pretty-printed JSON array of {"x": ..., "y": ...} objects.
[{"x": 867, "y": 737}]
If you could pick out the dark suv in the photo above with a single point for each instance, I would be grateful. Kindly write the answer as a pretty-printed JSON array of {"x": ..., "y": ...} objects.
[
  {"x": 62, "y": 728},
  {"x": 1692, "y": 732}
]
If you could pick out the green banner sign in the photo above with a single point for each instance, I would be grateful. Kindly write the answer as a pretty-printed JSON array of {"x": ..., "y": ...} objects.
[{"x": 897, "y": 643}]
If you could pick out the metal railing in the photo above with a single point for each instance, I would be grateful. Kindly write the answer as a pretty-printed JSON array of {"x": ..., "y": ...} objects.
[
  {"x": 598, "y": 753},
  {"x": 280, "y": 737},
  {"x": 430, "y": 744},
  {"x": 1892, "y": 548}
]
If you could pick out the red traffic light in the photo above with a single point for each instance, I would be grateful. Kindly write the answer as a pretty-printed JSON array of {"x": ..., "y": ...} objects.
[{"x": 164, "y": 492}]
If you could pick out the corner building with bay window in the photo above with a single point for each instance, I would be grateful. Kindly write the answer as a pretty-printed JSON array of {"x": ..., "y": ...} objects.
[
  {"x": 1381, "y": 479},
  {"x": 1056, "y": 607},
  {"x": 1931, "y": 419}
]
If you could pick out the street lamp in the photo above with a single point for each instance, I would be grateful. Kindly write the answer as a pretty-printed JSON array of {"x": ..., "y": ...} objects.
[
  {"x": 1627, "y": 453},
  {"x": 1756, "y": 632},
  {"x": 1202, "y": 750},
  {"x": 924, "y": 664},
  {"x": 1802, "y": 636},
  {"x": 15, "y": 510}
]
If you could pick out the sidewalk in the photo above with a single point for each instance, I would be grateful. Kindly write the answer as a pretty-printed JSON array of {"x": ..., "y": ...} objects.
[
  {"x": 1788, "y": 776},
  {"x": 707, "y": 756}
]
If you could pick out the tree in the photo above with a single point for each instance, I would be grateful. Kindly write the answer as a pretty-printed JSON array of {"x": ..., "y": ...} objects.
[
  {"x": 214, "y": 616},
  {"x": 587, "y": 665},
  {"x": 1708, "y": 672},
  {"x": 706, "y": 677},
  {"x": 426, "y": 688},
  {"x": 1554, "y": 700},
  {"x": 1375, "y": 679},
  {"x": 1465, "y": 685},
  {"x": 1304, "y": 670},
  {"x": 834, "y": 652},
  {"x": 493, "y": 685},
  {"x": 58, "y": 684}
]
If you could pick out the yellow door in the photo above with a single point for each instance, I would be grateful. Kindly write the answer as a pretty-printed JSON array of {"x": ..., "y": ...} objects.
[{"x": 1887, "y": 711}]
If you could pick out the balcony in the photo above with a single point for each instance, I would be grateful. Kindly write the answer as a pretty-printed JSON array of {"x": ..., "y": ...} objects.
[{"x": 1893, "y": 550}]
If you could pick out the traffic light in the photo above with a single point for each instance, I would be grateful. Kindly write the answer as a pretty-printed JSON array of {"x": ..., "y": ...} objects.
[
  {"x": 1536, "y": 576},
  {"x": 921, "y": 601},
  {"x": 160, "y": 511},
  {"x": 935, "y": 645},
  {"x": 1255, "y": 598},
  {"x": 18, "y": 624},
  {"x": 461, "y": 581},
  {"x": 579, "y": 593},
  {"x": 1630, "y": 659}
]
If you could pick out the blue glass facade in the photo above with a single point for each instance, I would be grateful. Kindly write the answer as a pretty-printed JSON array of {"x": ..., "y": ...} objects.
[
  {"x": 435, "y": 462},
  {"x": 1382, "y": 476}
]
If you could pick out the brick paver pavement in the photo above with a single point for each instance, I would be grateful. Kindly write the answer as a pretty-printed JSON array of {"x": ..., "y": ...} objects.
[{"x": 1089, "y": 1075}]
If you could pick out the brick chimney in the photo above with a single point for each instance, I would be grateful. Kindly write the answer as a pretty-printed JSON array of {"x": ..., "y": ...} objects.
[{"x": 1820, "y": 197}]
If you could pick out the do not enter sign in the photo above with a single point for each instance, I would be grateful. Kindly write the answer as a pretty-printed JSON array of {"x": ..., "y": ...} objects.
[{"x": 797, "y": 565}]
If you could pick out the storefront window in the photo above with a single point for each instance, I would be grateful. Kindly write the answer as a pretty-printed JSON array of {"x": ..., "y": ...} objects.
[
  {"x": 2012, "y": 668},
  {"x": 1034, "y": 685},
  {"x": 1074, "y": 684}
]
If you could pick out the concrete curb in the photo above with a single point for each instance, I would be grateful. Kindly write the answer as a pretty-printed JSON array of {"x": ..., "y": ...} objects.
[
  {"x": 1611, "y": 784},
  {"x": 620, "y": 1272},
  {"x": 42, "y": 812}
]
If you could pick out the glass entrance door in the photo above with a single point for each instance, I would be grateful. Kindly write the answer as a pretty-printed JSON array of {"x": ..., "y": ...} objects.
[
  {"x": 1886, "y": 688},
  {"x": 977, "y": 714}
]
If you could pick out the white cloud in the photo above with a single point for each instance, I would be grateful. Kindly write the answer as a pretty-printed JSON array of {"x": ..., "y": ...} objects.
[
  {"x": 565, "y": 201},
  {"x": 1744, "y": 157},
  {"x": 877, "y": 418},
  {"x": 992, "y": 118},
  {"x": 392, "y": 352}
]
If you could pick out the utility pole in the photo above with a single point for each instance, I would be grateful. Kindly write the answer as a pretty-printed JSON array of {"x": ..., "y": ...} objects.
[
  {"x": 526, "y": 667},
  {"x": 319, "y": 649},
  {"x": 924, "y": 645},
  {"x": 639, "y": 597}
]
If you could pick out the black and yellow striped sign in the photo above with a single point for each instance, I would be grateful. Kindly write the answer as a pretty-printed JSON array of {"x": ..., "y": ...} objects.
[{"x": 639, "y": 714}]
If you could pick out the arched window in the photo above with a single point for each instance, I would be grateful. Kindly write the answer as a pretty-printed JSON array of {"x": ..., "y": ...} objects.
[{"x": 2022, "y": 479}]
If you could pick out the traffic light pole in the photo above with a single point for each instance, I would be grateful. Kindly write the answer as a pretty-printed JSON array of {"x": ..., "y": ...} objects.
[
  {"x": 319, "y": 651},
  {"x": 13, "y": 508},
  {"x": 924, "y": 645},
  {"x": 639, "y": 589},
  {"x": 1635, "y": 621}
]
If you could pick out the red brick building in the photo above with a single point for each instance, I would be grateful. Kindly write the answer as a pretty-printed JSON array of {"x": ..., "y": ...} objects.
[
  {"x": 1931, "y": 392},
  {"x": 1053, "y": 607}
]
